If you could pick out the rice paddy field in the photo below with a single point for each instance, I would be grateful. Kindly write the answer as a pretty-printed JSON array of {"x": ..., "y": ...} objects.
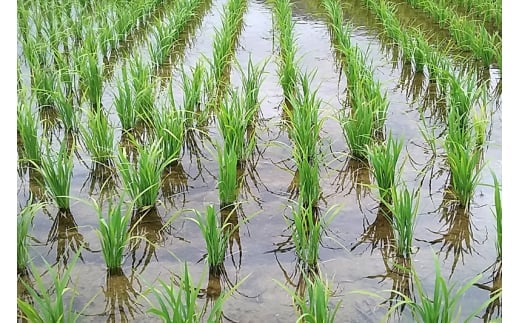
[{"x": 259, "y": 161}]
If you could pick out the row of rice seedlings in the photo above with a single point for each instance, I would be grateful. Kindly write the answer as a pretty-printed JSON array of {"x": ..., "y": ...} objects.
[
  {"x": 27, "y": 124},
  {"x": 48, "y": 306},
  {"x": 383, "y": 160},
  {"x": 24, "y": 221},
  {"x": 98, "y": 137},
  {"x": 304, "y": 131},
  {"x": 485, "y": 10},
  {"x": 287, "y": 64},
  {"x": 471, "y": 36},
  {"x": 166, "y": 34},
  {"x": 178, "y": 301},
  {"x": 56, "y": 170},
  {"x": 223, "y": 47},
  {"x": 143, "y": 180},
  {"x": 314, "y": 306},
  {"x": 114, "y": 234},
  {"x": 216, "y": 235}
]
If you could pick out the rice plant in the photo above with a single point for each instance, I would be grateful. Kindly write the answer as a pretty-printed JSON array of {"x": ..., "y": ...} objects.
[
  {"x": 66, "y": 111},
  {"x": 50, "y": 303},
  {"x": 193, "y": 90},
  {"x": 251, "y": 81},
  {"x": 216, "y": 235},
  {"x": 143, "y": 179},
  {"x": 383, "y": 158},
  {"x": 404, "y": 207},
  {"x": 43, "y": 85},
  {"x": 91, "y": 77},
  {"x": 27, "y": 126},
  {"x": 358, "y": 129},
  {"x": 178, "y": 301},
  {"x": 498, "y": 216},
  {"x": 124, "y": 101},
  {"x": 228, "y": 185},
  {"x": 113, "y": 233},
  {"x": 98, "y": 137},
  {"x": 56, "y": 170},
  {"x": 143, "y": 85},
  {"x": 24, "y": 221},
  {"x": 169, "y": 126},
  {"x": 313, "y": 306}
]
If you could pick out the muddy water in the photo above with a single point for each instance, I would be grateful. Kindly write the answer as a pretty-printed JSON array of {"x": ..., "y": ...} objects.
[{"x": 351, "y": 255}]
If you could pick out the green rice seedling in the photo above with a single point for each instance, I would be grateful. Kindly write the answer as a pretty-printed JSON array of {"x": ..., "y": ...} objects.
[
  {"x": 498, "y": 216},
  {"x": 161, "y": 41},
  {"x": 48, "y": 306},
  {"x": 143, "y": 86},
  {"x": 233, "y": 119},
  {"x": 480, "y": 123},
  {"x": 143, "y": 180},
  {"x": 313, "y": 306},
  {"x": 420, "y": 50},
  {"x": 216, "y": 235},
  {"x": 464, "y": 95},
  {"x": 56, "y": 170},
  {"x": 307, "y": 230},
  {"x": 309, "y": 181},
  {"x": 358, "y": 129},
  {"x": 66, "y": 111},
  {"x": 91, "y": 77},
  {"x": 444, "y": 305},
  {"x": 404, "y": 207},
  {"x": 43, "y": 85},
  {"x": 178, "y": 301},
  {"x": 169, "y": 127},
  {"x": 113, "y": 233},
  {"x": 383, "y": 159},
  {"x": 227, "y": 175},
  {"x": 192, "y": 88},
  {"x": 27, "y": 126},
  {"x": 24, "y": 221},
  {"x": 465, "y": 172},
  {"x": 98, "y": 137},
  {"x": 124, "y": 101},
  {"x": 251, "y": 82}
]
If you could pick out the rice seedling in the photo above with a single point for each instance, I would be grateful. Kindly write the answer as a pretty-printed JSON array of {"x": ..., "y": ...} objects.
[
  {"x": 307, "y": 230},
  {"x": 91, "y": 77},
  {"x": 383, "y": 159},
  {"x": 43, "y": 85},
  {"x": 228, "y": 185},
  {"x": 113, "y": 233},
  {"x": 404, "y": 207},
  {"x": 313, "y": 306},
  {"x": 56, "y": 169},
  {"x": 498, "y": 215},
  {"x": 251, "y": 81},
  {"x": 480, "y": 124},
  {"x": 27, "y": 126},
  {"x": 143, "y": 86},
  {"x": 48, "y": 306},
  {"x": 358, "y": 129},
  {"x": 98, "y": 137},
  {"x": 216, "y": 235},
  {"x": 24, "y": 221},
  {"x": 143, "y": 180},
  {"x": 124, "y": 101},
  {"x": 192, "y": 89},
  {"x": 66, "y": 111},
  {"x": 169, "y": 127},
  {"x": 233, "y": 119}
]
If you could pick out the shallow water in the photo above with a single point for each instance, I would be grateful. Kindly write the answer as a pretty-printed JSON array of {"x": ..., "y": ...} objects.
[{"x": 351, "y": 255}]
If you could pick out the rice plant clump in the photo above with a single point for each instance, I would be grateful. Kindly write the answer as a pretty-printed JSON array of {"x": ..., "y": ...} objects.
[
  {"x": 98, "y": 137},
  {"x": 143, "y": 180},
  {"x": 169, "y": 126},
  {"x": 24, "y": 221},
  {"x": 27, "y": 126},
  {"x": 113, "y": 234},
  {"x": 498, "y": 216},
  {"x": 383, "y": 158},
  {"x": 124, "y": 101},
  {"x": 228, "y": 178},
  {"x": 56, "y": 170}
]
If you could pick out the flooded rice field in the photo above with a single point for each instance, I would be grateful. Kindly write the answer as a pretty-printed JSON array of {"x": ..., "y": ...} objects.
[{"x": 262, "y": 265}]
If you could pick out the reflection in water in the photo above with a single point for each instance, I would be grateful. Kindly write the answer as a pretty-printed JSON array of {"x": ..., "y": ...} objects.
[
  {"x": 355, "y": 173},
  {"x": 411, "y": 82},
  {"x": 147, "y": 231},
  {"x": 435, "y": 102},
  {"x": 456, "y": 234},
  {"x": 378, "y": 234},
  {"x": 194, "y": 145},
  {"x": 120, "y": 297},
  {"x": 229, "y": 220},
  {"x": 49, "y": 120},
  {"x": 64, "y": 232},
  {"x": 175, "y": 183},
  {"x": 36, "y": 186},
  {"x": 22, "y": 292},
  {"x": 493, "y": 285},
  {"x": 102, "y": 180},
  {"x": 128, "y": 143}
]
